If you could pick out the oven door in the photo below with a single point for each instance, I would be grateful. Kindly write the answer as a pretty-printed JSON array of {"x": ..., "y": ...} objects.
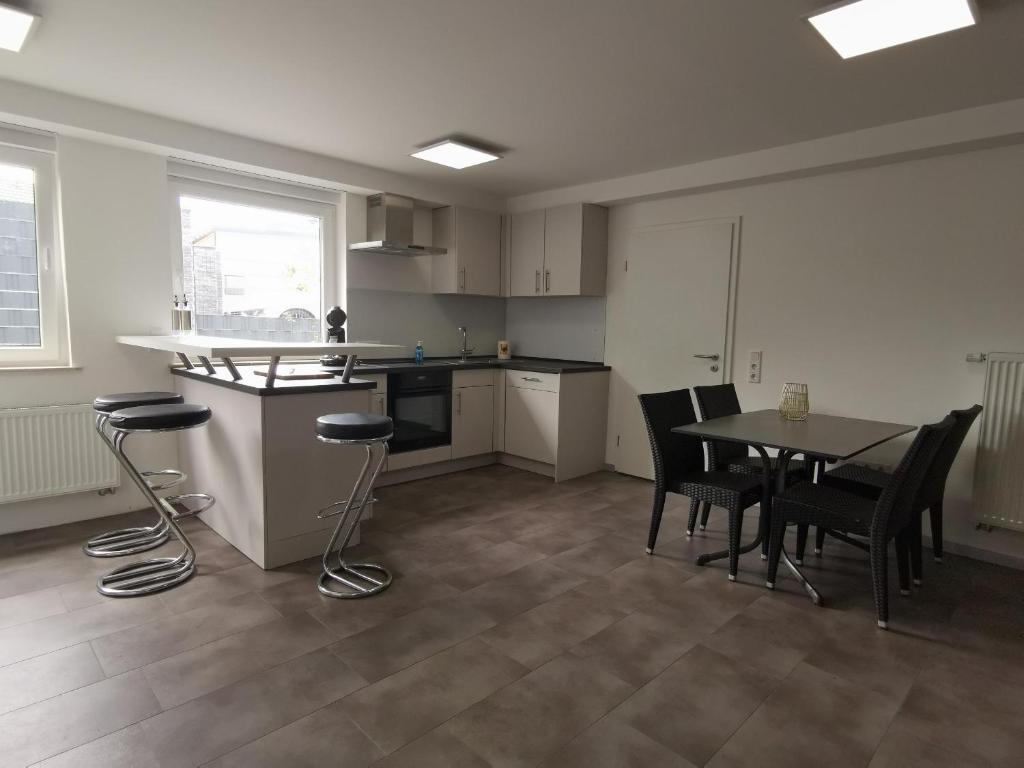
[{"x": 422, "y": 418}]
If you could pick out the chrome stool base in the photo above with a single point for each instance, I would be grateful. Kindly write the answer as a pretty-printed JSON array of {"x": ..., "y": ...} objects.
[
  {"x": 127, "y": 541},
  {"x": 157, "y": 574},
  {"x": 146, "y": 577},
  {"x": 354, "y": 580}
]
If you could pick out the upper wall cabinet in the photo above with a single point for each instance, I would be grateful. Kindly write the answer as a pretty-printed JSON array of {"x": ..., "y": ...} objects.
[
  {"x": 473, "y": 262},
  {"x": 559, "y": 251}
]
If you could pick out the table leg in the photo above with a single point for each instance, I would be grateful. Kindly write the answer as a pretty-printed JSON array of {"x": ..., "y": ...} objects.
[
  {"x": 780, "y": 486},
  {"x": 808, "y": 587},
  {"x": 763, "y": 519}
]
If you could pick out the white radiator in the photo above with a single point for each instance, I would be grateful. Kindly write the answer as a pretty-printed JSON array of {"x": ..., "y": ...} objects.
[
  {"x": 51, "y": 451},
  {"x": 999, "y": 469}
]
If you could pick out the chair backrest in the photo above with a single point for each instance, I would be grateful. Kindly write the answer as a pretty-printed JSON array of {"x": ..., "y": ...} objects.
[
  {"x": 674, "y": 455},
  {"x": 933, "y": 487},
  {"x": 896, "y": 504},
  {"x": 713, "y": 402}
]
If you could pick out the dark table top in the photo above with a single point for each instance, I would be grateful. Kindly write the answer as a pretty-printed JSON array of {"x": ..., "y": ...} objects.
[{"x": 830, "y": 437}]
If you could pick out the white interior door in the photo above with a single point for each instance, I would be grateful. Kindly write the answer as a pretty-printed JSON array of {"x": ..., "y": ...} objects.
[{"x": 668, "y": 300}]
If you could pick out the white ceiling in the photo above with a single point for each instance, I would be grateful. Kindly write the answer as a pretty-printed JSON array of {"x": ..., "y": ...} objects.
[{"x": 576, "y": 90}]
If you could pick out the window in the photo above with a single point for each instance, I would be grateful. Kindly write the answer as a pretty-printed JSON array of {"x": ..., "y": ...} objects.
[
  {"x": 33, "y": 326},
  {"x": 252, "y": 263}
]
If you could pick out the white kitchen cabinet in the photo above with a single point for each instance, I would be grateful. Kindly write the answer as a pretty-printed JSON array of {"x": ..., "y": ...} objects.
[
  {"x": 561, "y": 251},
  {"x": 526, "y": 253},
  {"x": 472, "y": 420},
  {"x": 472, "y": 264},
  {"x": 556, "y": 422},
  {"x": 531, "y": 423},
  {"x": 379, "y": 403}
]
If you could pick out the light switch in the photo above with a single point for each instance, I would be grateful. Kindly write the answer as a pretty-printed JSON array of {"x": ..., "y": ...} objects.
[{"x": 754, "y": 369}]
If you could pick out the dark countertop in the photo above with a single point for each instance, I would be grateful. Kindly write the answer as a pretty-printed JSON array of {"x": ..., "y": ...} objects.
[
  {"x": 539, "y": 364},
  {"x": 257, "y": 385}
]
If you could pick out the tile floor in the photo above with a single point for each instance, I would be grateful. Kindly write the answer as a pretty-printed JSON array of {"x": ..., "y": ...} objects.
[{"x": 526, "y": 627}]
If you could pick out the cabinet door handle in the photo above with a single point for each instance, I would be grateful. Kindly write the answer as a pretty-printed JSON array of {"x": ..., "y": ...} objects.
[
  {"x": 458, "y": 403},
  {"x": 536, "y": 283},
  {"x": 531, "y": 378},
  {"x": 462, "y": 280},
  {"x": 707, "y": 357},
  {"x": 547, "y": 281}
]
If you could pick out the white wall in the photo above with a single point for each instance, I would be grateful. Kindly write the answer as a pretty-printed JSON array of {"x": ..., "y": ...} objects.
[
  {"x": 114, "y": 205},
  {"x": 566, "y": 328},
  {"x": 395, "y": 317},
  {"x": 872, "y": 286}
]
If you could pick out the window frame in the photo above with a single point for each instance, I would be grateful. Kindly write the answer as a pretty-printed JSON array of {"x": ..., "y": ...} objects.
[
  {"x": 217, "y": 192},
  {"x": 54, "y": 349}
]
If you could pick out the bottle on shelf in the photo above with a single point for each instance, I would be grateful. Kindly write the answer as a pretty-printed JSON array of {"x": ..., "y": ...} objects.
[
  {"x": 176, "y": 317},
  {"x": 419, "y": 353}
]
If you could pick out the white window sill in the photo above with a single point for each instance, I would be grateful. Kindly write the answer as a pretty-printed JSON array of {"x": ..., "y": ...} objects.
[{"x": 38, "y": 368}]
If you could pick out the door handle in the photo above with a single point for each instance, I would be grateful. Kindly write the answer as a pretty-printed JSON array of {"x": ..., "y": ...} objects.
[
  {"x": 462, "y": 280},
  {"x": 707, "y": 357},
  {"x": 547, "y": 281},
  {"x": 536, "y": 283},
  {"x": 458, "y": 403}
]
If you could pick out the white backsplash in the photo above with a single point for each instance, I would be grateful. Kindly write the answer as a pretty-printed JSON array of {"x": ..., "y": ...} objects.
[
  {"x": 568, "y": 328},
  {"x": 392, "y": 317}
]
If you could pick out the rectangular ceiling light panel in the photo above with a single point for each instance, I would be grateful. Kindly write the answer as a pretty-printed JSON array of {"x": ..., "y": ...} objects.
[
  {"x": 14, "y": 27},
  {"x": 863, "y": 26},
  {"x": 454, "y": 154}
]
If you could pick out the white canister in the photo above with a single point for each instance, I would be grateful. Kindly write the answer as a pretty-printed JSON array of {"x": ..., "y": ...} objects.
[{"x": 504, "y": 350}]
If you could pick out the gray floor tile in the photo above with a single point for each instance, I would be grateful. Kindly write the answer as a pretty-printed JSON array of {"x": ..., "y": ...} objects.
[
  {"x": 513, "y": 593},
  {"x": 326, "y": 737},
  {"x": 540, "y": 634},
  {"x": 527, "y": 720},
  {"x": 199, "y": 671},
  {"x": 610, "y": 743},
  {"x": 406, "y": 705},
  {"x": 437, "y": 749},
  {"x": 66, "y": 721},
  {"x": 480, "y": 566},
  {"x": 48, "y": 675},
  {"x": 697, "y": 703},
  {"x": 30, "y": 606},
  {"x": 141, "y": 645},
  {"x": 400, "y": 642}
]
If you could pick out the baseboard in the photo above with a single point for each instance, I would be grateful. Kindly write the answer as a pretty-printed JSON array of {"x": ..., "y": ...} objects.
[
  {"x": 528, "y": 465},
  {"x": 977, "y": 553},
  {"x": 433, "y": 470}
]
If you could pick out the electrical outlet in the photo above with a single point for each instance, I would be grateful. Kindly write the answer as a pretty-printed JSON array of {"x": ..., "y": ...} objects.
[{"x": 754, "y": 369}]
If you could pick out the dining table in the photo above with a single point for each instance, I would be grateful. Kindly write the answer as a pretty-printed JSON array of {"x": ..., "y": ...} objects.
[{"x": 820, "y": 438}]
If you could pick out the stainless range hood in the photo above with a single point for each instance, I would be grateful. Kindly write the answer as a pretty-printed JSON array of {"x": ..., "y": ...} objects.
[{"x": 389, "y": 227}]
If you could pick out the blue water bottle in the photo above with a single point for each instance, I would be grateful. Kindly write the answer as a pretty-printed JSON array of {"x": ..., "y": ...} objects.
[{"x": 419, "y": 353}]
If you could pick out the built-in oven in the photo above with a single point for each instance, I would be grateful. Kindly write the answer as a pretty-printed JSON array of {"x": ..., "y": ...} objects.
[{"x": 420, "y": 405}]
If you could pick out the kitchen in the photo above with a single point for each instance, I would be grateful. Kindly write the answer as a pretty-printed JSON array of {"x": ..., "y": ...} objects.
[{"x": 436, "y": 387}]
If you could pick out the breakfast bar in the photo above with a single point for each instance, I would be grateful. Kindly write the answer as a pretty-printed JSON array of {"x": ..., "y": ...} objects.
[{"x": 259, "y": 455}]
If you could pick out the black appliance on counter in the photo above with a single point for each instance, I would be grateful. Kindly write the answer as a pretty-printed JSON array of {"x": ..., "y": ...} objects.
[
  {"x": 335, "y": 318},
  {"x": 420, "y": 405}
]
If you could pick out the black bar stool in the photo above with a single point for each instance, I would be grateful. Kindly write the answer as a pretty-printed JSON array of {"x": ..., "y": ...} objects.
[
  {"x": 348, "y": 580},
  {"x": 129, "y": 541},
  {"x": 156, "y": 574}
]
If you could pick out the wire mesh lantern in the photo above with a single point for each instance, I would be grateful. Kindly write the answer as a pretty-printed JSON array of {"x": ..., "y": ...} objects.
[{"x": 794, "y": 404}]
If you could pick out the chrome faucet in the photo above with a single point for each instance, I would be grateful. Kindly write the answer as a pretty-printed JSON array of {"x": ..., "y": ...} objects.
[{"x": 465, "y": 349}]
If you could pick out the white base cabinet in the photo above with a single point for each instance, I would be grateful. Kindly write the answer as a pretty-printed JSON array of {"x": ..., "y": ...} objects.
[
  {"x": 559, "y": 421},
  {"x": 472, "y": 413}
]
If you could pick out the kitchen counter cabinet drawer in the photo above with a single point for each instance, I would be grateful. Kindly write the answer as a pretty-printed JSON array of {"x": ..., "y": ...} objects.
[
  {"x": 547, "y": 382},
  {"x": 480, "y": 378}
]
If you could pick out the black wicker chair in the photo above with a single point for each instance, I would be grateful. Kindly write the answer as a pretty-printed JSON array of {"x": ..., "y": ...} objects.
[
  {"x": 881, "y": 521},
  {"x": 868, "y": 482},
  {"x": 679, "y": 468}
]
